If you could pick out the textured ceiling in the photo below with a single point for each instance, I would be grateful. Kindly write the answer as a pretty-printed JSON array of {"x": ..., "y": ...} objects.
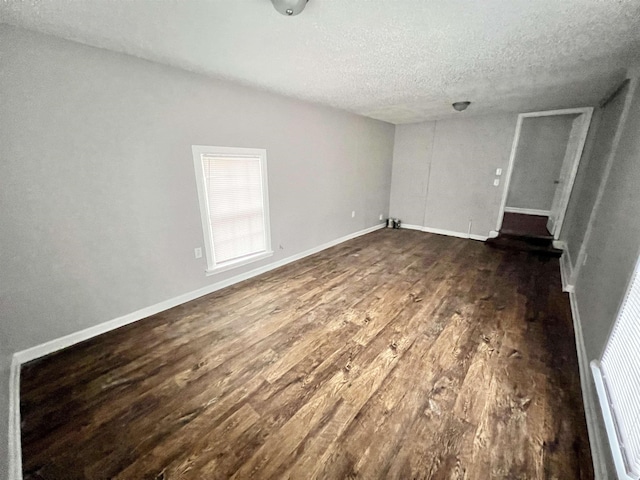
[{"x": 396, "y": 60}]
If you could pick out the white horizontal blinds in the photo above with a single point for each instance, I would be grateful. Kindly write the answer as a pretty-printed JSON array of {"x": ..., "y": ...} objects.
[
  {"x": 621, "y": 371},
  {"x": 236, "y": 207}
]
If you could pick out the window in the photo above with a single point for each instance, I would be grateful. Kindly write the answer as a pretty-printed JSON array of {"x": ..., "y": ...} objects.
[
  {"x": 232, "y": 187},
  {"x": 617, "y": 378}
]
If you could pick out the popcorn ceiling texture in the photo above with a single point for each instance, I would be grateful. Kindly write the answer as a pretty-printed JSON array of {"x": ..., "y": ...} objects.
[{"x": 398, "y": 61}]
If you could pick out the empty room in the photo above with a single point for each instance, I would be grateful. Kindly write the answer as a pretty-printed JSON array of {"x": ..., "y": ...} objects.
[{"x": 313, "y": 239}]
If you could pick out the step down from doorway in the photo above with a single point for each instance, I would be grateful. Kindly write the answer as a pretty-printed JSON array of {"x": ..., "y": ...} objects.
[{"x": 536, "y": 244}]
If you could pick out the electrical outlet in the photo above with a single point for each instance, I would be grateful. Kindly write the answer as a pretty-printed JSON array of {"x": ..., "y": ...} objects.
[
  {"x": 498, "y": 171},
  {"x": 353, "y": 214},
  {"x": 198, "y": 252},
  {"x": 381, "y": 216},
  {"x": 496, "y": 182}
]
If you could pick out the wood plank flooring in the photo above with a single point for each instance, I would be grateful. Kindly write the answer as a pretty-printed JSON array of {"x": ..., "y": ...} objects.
[{"x": 399, "y": 354}]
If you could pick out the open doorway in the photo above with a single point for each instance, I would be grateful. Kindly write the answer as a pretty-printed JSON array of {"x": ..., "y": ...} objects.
[{"x": 544, "y": 160}]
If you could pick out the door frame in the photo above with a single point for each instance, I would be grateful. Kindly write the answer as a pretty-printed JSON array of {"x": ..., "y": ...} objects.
[{"x": 568, "y": 185}]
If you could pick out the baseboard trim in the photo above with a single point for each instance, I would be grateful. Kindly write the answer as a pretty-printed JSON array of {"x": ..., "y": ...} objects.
[
  {"x": 408, "y": 226},
  {"x": 15, "y": 444},
  {"x": 480, "y": 238},
  {"x": 52, "y": 346},
  {"x": 566, "y": 270},
  {"x": 38, "y": 351},
  {"x": 449, "y": 233},
  {"x": 588, "y": 395},
  {"x": 527, "y": 211}
]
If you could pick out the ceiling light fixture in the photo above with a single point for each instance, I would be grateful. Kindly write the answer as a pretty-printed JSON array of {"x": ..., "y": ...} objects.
[
  {"x": 289, "y": 7},
  {"x": 460, "y": 106}
]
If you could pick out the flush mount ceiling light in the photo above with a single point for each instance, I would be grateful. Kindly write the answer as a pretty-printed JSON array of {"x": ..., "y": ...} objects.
[
  {"x": 460, "y": 106},
  {"x": 289, "y": 7}
]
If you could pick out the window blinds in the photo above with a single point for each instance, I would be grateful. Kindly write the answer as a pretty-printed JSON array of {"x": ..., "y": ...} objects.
[
  {"x": 620, "y": 367},
  {"x": 236, "y": 207}
]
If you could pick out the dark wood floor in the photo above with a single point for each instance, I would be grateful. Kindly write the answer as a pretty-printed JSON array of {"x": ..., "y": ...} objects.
[{"x": 399, "y": 354}]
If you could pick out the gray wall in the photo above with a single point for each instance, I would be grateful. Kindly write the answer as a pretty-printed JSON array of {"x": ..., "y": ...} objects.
[
  {"x": 411, "y": 162},
  {"x": 541, "y": 150},
  {"x": 99, "y": 208},
  {"x": 592, "y": 170},
  {"x": 443, "y": 172},
  {"x": 613, "y": 246}
]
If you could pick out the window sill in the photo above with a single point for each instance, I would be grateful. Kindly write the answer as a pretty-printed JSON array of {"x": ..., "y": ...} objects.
[{"x": 238, "y": 263}]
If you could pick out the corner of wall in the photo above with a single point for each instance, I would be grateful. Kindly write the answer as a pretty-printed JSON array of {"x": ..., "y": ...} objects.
[
  {"x": 15, "y": 450},
  {"x": 566, "y": 269}
]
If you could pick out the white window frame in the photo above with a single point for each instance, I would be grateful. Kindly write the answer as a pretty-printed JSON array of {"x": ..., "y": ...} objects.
[
  {"x": 604, "y": 398},
  {"x": 200, "y": 150}
]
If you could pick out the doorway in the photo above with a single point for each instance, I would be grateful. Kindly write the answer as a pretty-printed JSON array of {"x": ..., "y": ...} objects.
[{"x": 544, "y": 159}]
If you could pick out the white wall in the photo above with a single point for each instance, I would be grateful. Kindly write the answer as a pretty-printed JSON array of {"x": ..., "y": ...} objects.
[
  {"x": 443, "y": 172},
  {"x": 613, "y": 245},
  {"x": 99, "y": 208},
  {"x": 541, "y": 149}
]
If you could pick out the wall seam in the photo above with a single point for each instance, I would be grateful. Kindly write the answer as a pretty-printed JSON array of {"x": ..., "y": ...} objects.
[{"x": 428, "y": 179}]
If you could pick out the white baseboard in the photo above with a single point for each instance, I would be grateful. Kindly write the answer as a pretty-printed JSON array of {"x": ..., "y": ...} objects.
[
  {"x": 24, "y": 356},
  {"x": 588, "y": 395},
  {"x": 587, "y": 387},
  {"x": 480, "y": 238},
  {"x": 15, "y": 449},
  {"x": 527, "y": 211},
  {"x": 68, "y": 340},
  {"x": 559, "y": 244},
  {"x": 566, "y": 270},
  {"x": 412, "y": 227},
  {"x": 449, "y": 233}
]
